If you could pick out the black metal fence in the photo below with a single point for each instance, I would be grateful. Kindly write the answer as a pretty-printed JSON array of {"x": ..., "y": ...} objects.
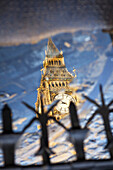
[{"x": 77, "y": 135}]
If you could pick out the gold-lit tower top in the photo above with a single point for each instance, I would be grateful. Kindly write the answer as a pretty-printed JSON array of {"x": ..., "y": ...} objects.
[{"x": 55, "y": 75}]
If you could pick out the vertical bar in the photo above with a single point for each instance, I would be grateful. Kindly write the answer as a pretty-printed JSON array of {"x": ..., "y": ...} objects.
[
  {"x": 79, "y": 150},
  {"x": 45, "y": 144},
  {"x": 74, "y": 116},
  {"x": 8, "y": 151},
  {"x": 7, "y": 119}
]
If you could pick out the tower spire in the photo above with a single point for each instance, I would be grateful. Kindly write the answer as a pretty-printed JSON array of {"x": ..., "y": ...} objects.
[{"x": 52, "y": 51}]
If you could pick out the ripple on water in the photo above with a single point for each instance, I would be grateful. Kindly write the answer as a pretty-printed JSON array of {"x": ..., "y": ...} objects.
[{"x": 87, "y": 54}]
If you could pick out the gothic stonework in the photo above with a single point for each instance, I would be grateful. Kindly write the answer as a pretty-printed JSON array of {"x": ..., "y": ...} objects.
[{"x": 55, "y": 77}]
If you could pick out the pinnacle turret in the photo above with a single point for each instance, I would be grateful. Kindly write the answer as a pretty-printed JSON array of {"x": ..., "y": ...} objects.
[{"x": 52, "y": 51}]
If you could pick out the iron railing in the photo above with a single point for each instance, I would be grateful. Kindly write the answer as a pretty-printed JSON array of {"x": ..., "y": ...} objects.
[{"x": 77, "y": 135}]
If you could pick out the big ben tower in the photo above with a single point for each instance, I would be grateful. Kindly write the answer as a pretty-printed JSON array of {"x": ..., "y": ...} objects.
[{"x": 55, "y": 77}]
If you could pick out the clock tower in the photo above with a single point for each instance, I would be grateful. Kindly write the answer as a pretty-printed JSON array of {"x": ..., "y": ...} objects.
[{"x": 55, "y": 78}]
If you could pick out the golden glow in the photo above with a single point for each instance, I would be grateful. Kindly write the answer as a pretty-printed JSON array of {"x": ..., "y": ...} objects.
[
  {"x": 55, "y": 78},
  {"x": 61, "y": 52},
  {"x": 74, "y": 71},
  {"x": 42, "y": 69},
  {"x": 73, "y": 152},
  {"x": 67, "y": 44},
  {"x": 45, "y": 52}
]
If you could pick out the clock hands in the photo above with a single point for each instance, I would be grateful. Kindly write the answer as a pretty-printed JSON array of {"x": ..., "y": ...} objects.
[{"x": 64, "y": 103}]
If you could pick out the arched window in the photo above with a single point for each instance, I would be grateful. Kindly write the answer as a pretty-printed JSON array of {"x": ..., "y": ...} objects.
[
  {"x": 63, "y": 84},
  {"x": 44, "y": 85},
  {"x": 56, "y": 84},
  {"x": 55, "y": 62},
  {"x": 59, "y": 84},
  {"x": 50, "y": 62},
  {"x": 59, "y": 62},
  {"x": 52, "y": 84},
  {"x": 63, "y": 71}
]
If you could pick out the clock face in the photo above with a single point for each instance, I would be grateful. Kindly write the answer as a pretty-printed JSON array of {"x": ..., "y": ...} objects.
[{"x": 63, "y": 105}]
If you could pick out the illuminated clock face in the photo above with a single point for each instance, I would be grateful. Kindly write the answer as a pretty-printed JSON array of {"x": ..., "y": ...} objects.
[{"x": 63, "y": 105}]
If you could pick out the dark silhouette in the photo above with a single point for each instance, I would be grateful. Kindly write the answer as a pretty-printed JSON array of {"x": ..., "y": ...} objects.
[
  {"x": 8, "y": 138},
  {"x": 7, "y": 119},
  {"x": 43, "y": 118},
  {"x": 77, "y": 135},
  {"x": 104, "y": 111}
]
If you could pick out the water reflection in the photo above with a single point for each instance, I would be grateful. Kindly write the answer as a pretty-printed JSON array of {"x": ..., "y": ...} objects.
[{"x": 87, "y": 51}]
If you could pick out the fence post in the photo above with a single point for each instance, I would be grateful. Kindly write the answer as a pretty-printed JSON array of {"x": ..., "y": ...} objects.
[
  {"x": 8, "y": 138},
  {"x": 76, "y": 134}
]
